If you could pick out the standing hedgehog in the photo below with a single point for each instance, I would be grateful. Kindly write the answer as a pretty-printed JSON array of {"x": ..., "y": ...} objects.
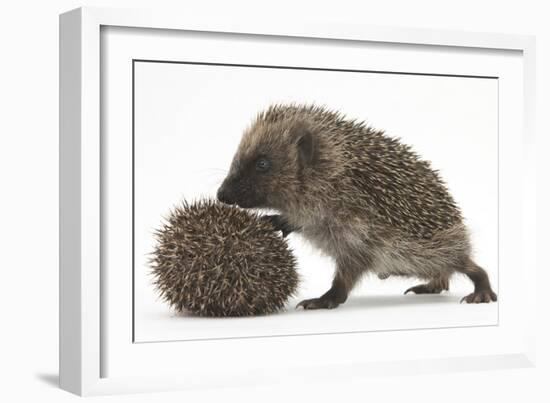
[{"x": 362, "y": 197}]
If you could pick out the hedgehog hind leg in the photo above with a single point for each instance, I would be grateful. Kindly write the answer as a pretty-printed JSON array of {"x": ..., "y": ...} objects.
[
  {"x": 434, "y": 286},
  {"x": 482, "y": 287}
]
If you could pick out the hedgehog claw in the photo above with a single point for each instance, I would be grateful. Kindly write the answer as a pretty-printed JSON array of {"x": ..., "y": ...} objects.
[
  {"x": 318, "y": 303},
  {"x": 279, "y": 223},
  {"x": 424, "y": 289},
  {"x": 478, "y": 297}
]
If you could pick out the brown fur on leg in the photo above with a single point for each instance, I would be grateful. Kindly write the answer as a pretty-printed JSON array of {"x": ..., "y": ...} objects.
[
  {"x": 329, "y": 300},
  {"x": 344, "y": 280}
]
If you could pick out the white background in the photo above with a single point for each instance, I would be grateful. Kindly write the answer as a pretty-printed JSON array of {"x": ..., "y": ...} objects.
[
  {"x": 188, "y": 123},
  {"x": 28, "y": 162}
]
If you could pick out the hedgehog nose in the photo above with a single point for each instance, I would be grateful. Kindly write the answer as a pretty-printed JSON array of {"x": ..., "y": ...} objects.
[{"x": 224, "y": 196}]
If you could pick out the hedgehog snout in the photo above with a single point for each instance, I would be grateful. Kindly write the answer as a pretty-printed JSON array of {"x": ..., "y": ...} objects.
[{"x": 225, "y": 195}]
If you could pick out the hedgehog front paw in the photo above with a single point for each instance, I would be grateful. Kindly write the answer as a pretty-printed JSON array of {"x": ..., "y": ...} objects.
[
  {"x": 318, "y": 303},
  {"x": 279, "y": 223},
  {"x": 477, "y": 297}
]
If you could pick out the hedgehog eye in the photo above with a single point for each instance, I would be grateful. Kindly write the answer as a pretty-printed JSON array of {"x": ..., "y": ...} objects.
[{"x": 262, "y": 164}]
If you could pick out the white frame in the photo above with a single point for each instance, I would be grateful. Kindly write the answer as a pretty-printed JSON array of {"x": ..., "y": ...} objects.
[{"x": 80, "y": 243}]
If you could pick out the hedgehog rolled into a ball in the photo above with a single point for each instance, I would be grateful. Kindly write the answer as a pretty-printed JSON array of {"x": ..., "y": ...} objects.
[{"x": 212, "y": 259}]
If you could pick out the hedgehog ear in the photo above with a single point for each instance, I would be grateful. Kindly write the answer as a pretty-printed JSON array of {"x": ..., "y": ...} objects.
[{"x": 307, "y": 147}]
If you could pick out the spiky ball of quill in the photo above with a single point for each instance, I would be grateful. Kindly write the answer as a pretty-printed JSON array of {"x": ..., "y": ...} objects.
[{"x": 212, "y": 259}]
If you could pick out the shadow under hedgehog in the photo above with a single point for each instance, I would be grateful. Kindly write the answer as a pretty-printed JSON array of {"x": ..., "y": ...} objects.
[{"x": 362, "y": 197}]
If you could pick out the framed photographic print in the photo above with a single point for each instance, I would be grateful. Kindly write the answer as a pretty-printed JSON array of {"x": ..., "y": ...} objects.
[{"x": 240, "y": 198}]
